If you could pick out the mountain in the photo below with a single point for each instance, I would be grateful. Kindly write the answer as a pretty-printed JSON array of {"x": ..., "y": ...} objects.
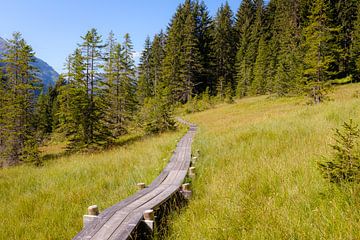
[{"x": 46, "y": 74}]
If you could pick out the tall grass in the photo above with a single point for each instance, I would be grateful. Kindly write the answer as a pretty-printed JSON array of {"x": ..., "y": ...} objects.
[
  {"x": 48, "y": 202},
  {"x": 257, "y": 173}
]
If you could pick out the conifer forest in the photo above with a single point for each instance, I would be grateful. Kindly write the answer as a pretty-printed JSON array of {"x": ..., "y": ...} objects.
[
  {"x": 280, "y": 47},
  {"x": 180, "y": 119}
]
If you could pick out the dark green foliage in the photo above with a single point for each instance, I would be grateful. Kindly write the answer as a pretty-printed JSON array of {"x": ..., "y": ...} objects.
[
  {"x": 17, "y": 120},
  {"x": 199, "y": 103},
  {"x": 145, "y": 82},
  {"x": 343, "y": 15},
  {"x": 119, "y": 90},
  {"x": 247, "y": 31},
  {"x": 355, "y": 49},
  {"x": 224, "y": 49},
  {"x": 344, "y": 165},
  {"x": 81, "y": 100},
  {"x": 155, "y": 115},
  {"x": 259, "y": 85},
  {"x": 319, "y": 52},
  {"x": 44, "y": 114}
]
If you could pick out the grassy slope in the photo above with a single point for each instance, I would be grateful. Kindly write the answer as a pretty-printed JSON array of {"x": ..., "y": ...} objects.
[
  {"x": 48, "y": 202},
  {"x": 257, "y": 175}
]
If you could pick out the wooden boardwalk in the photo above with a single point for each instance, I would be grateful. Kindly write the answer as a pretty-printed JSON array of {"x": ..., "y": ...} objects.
[{"x": 122, "y": 219}]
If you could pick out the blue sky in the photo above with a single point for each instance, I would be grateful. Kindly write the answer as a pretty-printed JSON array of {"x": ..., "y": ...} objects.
[{"x": 53, "y": 27}]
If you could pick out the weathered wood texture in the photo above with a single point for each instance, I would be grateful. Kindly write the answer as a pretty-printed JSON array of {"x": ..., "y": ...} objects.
[{"x": 121, "y": 220}]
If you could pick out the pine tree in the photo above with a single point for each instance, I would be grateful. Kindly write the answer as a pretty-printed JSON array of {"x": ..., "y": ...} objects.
[
  {"x": 250, "y": 31},
  {"x": 145, "y": 82},
  {"x": 288, "y": 71},
  {"x": 92, "y": 52},
  {"x": 190, "y": 61},
  {"x": 74, "y": 103},
  {"x": 355, "y": 49},
  {"x": 318, "y": 55},
  {"x": 157, "y": 55},
  {"x": 17, "y": 119},
  {"x": 259, "y": 85},
  {"x": 224, "y": 48},
  {"x": 204, "y": 29},
  {"x": 171, "y": 63},
  {"x": 43, "y": 112},
  {"x": 244, "y": 18},
  {"x": 128, "y": 76},
  {"x": 342, "y": 15}
]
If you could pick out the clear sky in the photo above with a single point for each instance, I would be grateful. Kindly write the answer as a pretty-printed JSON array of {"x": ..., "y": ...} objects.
[{"x": 53, "y": 27}]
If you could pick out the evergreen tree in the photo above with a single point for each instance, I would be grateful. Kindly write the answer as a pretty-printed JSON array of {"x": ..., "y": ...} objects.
[
  {"x": 289, "y": 66},
  {"x": 74, "y": 103},
  {"x": 43, "y": 112},
  {"x": 190, "y": 60},
  {"x": 18, "y": 109},
  {"x": 342, "y": 15},
  {"x": 204, "y": 29},
  {"x": 224, "y": 48},
  {"x": 92, "y": 52},
  {"x": 250, "y": 31},
  {"x": 171, "y": 63},
  {"x": 259, "y": 85},
  {"x": 128, "y": 76},
  {"x": 355, "y": 49},
  {"x": 145, "y": 82},
  {"x": 318, "y": 54},
  {"x": 157, "y": 55}
]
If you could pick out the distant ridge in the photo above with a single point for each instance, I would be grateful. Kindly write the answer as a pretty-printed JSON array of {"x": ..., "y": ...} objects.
[{"x": 46, "y": 74}]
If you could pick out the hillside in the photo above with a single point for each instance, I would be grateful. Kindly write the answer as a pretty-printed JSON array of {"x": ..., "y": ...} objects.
[
  {"x": 258, "y": 177},
  {"x": 46, "y": 73},
  {"x": 49, "y": 202}
]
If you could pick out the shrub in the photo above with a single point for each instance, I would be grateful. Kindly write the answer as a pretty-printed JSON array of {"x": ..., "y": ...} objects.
[{"x": 344, "y": 164}]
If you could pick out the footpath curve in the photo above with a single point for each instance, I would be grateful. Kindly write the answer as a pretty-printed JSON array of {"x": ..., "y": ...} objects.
[{"x": 123, "y": 220}]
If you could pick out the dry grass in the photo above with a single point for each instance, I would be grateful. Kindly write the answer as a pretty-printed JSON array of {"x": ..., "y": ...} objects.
[
  {"x": 48, "y": 202},
  {"x": 257, "y": 174}
]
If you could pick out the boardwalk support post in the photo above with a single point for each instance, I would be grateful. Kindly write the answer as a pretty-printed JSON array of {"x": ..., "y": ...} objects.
[
  {"x": 149, "y": 218},
  {"x": 193, "y": 160},
  {"x": 185, "y": 191},
  {"x": 141, "y": 185},
  {"x": 192, "y": 172},
  {"x": 93, "y": 212}
]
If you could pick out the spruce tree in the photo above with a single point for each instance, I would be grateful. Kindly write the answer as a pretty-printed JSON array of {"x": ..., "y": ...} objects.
[
  {"x": 92, "y": 47},
  {"x": 145, "y": 80},
  {"x": 343, "y": 16},
  {"x": 250, "y": 31},
  {"x": 259, "y": 85},
  {"x": 318, "y": 54},
  {"x": 171, "y": 63},
  {"x": 157, "y": 55},
  {"x": 287, "y": 35},
  {"x": 355, "y": 49},
  {"x": 17, "y": 120},
  {"x": 224, "y": 49},
  {"x": 204, "y": 29},
  {"x": 190, "y": 61}
]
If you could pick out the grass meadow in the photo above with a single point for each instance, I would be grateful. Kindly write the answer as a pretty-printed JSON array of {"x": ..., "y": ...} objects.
[
  {"x": 257, "y": 173},
  {"x": 49, "y": 202}
]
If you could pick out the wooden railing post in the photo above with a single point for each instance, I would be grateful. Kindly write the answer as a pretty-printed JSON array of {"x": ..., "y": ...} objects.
[
  {"x": 141, "y": 185},
  {"x": 149, "y": 219},
  {"x": 93, "y": 212},
  {"x": 185, "y": 191}
]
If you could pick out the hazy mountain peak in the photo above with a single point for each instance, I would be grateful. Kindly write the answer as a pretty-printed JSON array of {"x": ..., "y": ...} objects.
[{"x": 46, "y": 73}]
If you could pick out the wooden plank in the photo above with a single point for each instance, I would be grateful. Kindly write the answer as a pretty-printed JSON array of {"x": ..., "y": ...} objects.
[{"x": 118, "y": 221}]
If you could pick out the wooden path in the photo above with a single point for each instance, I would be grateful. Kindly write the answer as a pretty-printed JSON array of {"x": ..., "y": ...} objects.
[{"x": 122, "y": 219}]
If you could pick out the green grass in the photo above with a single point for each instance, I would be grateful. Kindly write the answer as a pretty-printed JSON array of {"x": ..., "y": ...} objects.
[
  {"x": 48, "y": 202},
  {"x": 257, "y": 174}
]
